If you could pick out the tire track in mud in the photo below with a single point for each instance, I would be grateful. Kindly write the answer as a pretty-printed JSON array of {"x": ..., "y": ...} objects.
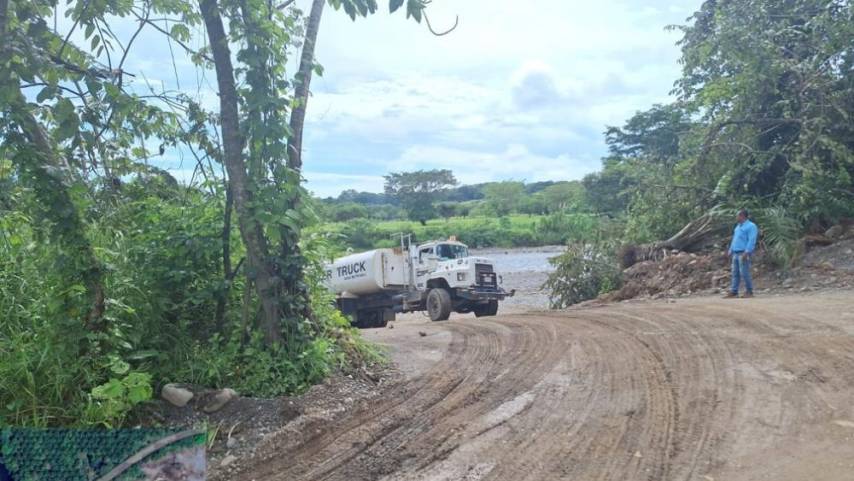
[
  {"x": 681, "y": 356},
  {"x": 430, "y": 409},
  {"x": 653, "y": 391}
]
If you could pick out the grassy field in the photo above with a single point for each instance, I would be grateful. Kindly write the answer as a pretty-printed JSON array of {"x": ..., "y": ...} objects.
[{"x": 519, "y": 230}]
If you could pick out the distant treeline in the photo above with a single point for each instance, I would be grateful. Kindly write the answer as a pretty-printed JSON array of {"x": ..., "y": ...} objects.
[
  {"x": 477, "y": 200},
  {"x": 460, "y": 193}
]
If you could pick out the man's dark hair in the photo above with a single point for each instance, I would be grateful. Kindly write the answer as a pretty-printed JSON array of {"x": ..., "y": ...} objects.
[{"x": 744, "y": 213}]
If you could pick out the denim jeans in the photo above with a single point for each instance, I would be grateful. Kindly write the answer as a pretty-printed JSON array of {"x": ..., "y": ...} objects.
[{"x": 741, "y": 270}]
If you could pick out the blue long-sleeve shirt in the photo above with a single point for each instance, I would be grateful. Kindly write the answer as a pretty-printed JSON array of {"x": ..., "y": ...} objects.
[{"x": 744, "y": 237}]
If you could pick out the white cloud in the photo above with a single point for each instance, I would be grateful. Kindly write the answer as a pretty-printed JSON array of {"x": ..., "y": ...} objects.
[
  {"x": 513, "y": 162},
  {"x": 517, "y": 84},
  {"x": 519, "y": 90}
]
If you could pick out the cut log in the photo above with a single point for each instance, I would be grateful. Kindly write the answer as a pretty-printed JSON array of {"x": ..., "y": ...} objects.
[{"x": 696, "y": 235}]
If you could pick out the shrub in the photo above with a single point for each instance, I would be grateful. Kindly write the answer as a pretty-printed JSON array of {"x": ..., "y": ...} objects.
[
  {"x": 582, "y": 272},
  {"x": 781, "y": 233},
  {"x": 163, "y": 281}
]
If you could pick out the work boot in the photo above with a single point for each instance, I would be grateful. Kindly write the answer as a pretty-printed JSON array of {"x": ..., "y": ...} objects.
[
  {"x": 747, "y": 295},
  {"x": 731, "y": 295}
]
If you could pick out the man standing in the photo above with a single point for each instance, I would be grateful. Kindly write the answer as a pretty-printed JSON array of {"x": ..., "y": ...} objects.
[{"x": 740, "y": 251}]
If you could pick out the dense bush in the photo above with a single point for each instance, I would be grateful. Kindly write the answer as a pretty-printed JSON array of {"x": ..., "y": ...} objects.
[
  {"x": 582, "y": 272},
  {"x": 164, "y": 279}
]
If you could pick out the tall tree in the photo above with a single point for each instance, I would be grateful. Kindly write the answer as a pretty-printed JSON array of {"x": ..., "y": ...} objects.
[
  {"x": 418, "y": 191},
  {"x": 261, "y": 265},
  {"x": 653, "y": 135},
  {"x": 504, "y": 197},
  {"x": 307, "y": 65},
  {"x": 773, "y": 81},
  {"x": 564, "y": 196},
  {"x": 31, "y": 147},
  {"x": 261, "y": 143}
]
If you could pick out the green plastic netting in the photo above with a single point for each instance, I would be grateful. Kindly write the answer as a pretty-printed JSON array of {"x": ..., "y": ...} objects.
[{"x": 71, "y": 454}]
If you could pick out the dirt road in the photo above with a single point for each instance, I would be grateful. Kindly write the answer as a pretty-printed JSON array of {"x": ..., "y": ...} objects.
[{"x": 698, "y": 389}]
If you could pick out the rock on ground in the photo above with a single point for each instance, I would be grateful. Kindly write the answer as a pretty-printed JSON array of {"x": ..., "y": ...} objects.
[
  {"x": 176, "y": 395},
  {"x": 219, "y": 400}
]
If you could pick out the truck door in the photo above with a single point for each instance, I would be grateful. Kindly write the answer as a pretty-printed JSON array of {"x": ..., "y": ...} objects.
[{"x": 426, "y": 264}]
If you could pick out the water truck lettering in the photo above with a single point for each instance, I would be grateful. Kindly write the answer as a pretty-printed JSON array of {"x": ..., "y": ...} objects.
[{"x": 352, "y": 269}]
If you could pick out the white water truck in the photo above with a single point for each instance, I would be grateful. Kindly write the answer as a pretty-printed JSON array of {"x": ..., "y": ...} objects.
[{"x": 438, "y": 277}]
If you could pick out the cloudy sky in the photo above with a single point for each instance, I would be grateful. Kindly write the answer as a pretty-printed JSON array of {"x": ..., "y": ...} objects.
[{"x": 521, "y": 90}]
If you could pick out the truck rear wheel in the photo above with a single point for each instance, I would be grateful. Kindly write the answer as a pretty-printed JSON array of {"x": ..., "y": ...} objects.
[
  {"x": 439, "y": 304},
  {"x": 368, "y": 319},
  {"x": 485, "y": 310}
]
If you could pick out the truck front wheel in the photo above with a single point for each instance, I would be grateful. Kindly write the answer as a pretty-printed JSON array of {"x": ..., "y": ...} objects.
[
  {"x": 439, "y": 304},
  {"x": 488, "y": 309}
]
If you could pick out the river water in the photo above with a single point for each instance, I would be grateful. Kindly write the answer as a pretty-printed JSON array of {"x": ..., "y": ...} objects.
[{"x": 524, "y": 269}]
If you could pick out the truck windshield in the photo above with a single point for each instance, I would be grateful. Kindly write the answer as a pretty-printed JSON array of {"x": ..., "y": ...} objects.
[{"x": 451, "y": 251}]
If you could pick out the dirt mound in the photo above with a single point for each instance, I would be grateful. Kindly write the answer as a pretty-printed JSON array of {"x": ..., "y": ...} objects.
[
  {"x": 246, "y": 427},
  {"x": 268, "y": 426},
  {"x": 680, "y": 273}
]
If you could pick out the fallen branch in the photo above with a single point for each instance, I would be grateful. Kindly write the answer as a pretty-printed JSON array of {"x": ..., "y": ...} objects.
[{"x": 694, "y": 236}]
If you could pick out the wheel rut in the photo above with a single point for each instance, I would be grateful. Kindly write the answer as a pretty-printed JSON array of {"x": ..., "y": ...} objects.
[{"x": 694, "y": 390}]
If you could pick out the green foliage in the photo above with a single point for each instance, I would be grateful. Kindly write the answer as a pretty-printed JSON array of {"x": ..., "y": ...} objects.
[
  {"x": 563, "y": 197},
  {"x": 111, "y": 402},
  {"x": 781, "y": 232},
  {"x": 45, "y": 358},
  {"x": 345, "y": 212},
  {"x": 476, "y": 231},
  {"x": 163, "y": 277},
  {"x": 762, "y": 119},
  {"x": 560, "y": 228},
  {"x": 583, "y": 272},
  {"x": 362, "y": 233},
  {"x": 608, "y": 191},
  {"x": 418, "y": 191},
  {"x": 654, "y": 136},
  {"x": 254, "y": 369},
  {"x": 363, "y": 8},
  {"x": 776, "y": 115},
  {"x": 112, "y": 273},
  {"x": 481, "y": 200},
  {"x": 504, "y": 197}
]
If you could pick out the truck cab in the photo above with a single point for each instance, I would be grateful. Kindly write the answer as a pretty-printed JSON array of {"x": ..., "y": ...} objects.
[
  {"x": 448, "y": 264},
  {"x": 470, "y": 283}
]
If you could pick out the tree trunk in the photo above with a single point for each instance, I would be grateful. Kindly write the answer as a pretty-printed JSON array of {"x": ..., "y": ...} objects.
[
  {"x": 303, "y": 82},
  {"x": 260, "y": 268},
  {"x": 46, "y": 168},
  {"x": 290, "y": 250},
  {"x": 697, "y": 234},
  {"x": 227, "y": 275}
]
